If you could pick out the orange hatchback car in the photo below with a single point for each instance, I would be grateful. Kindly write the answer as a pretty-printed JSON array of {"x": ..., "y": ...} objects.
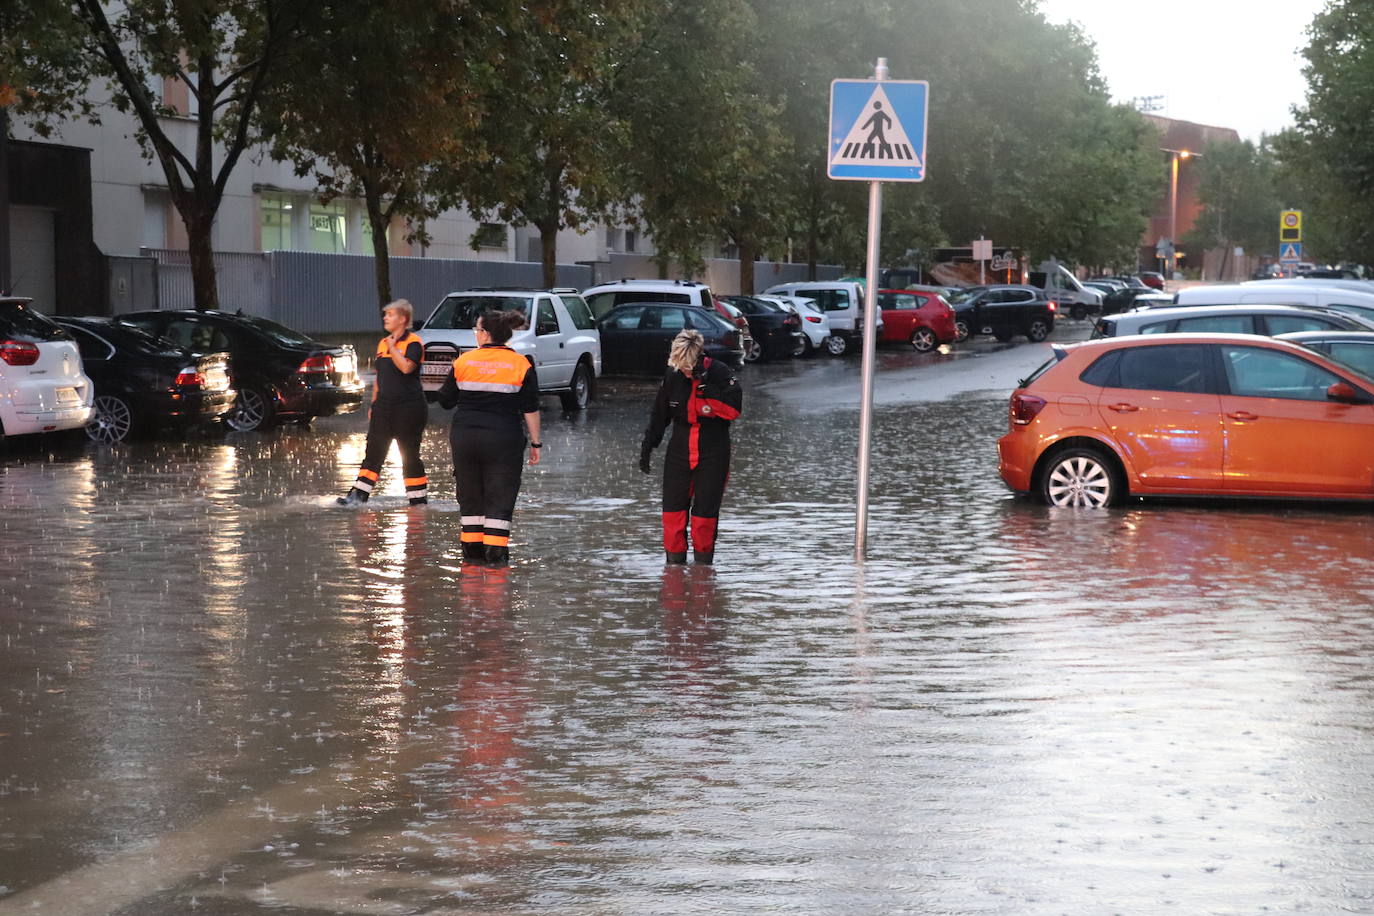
[{"x": 1189, "y": 415}]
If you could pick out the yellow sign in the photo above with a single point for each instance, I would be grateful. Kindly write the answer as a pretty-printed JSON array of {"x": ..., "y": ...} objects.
[{"x": 1290, "y": 226}]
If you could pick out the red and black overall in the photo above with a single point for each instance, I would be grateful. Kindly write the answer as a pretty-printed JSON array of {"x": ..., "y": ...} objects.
[
  {"x": 492, "y": 388},
  {"x": 697, "y": 462},
  {"x": 399, "y": 413}
]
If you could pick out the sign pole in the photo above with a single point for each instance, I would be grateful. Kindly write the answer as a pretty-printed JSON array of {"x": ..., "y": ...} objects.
[{"x": 875, "y": 224}]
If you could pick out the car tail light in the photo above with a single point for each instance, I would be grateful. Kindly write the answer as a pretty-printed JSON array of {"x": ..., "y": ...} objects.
[
  {"x": 189, "y": 378},
  {"x": 320, "y": 362},
  {"x": 18, "y": 352},
  {"x": 1053, "y": 306},
  {"x": 792, "y": 321},
  {"x": 813, "y": 319},
  {"x": 1025, "y": 407}
]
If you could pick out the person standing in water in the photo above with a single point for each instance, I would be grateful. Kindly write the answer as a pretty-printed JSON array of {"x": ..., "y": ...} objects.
[
  {"x": 398, "y": 412},
  {"x": 699, "y": 397},
  {"x": 492, "y": 389}
]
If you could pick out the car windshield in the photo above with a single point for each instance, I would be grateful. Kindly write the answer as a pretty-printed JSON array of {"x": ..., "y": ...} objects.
[
  {"x": 964, "y": 295},
  {"x": 19, "y": 322},
  {"x": 460, "y": 313},
  {"x": 131, "y": 337},
  {"x": 278, "y": 332}
]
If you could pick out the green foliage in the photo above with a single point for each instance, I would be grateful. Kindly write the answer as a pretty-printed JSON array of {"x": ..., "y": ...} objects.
[{"x": 1240, "y": 202}]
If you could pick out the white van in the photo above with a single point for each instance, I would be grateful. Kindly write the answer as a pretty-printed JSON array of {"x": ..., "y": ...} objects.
[
  {"x": 1307, "y": 292},
  {"x": 1075, "y": 300},
  {"x": 842, "y": 301}
]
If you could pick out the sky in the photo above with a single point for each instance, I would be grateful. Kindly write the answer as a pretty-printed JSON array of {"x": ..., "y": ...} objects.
[{"x": 1227, "y": 63}]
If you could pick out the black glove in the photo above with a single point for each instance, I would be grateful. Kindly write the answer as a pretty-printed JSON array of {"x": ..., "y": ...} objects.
[{"x": 645, "y": 450}]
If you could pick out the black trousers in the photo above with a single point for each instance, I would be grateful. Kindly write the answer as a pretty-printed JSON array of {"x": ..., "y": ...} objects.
[
  {"x": 403, "y": 424},
  {"x": 487, "y": 465},
  {"x": 693, "y": 495}
]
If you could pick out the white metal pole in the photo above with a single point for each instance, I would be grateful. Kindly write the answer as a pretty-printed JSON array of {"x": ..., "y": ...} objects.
[{"x": 870, "y": 345}]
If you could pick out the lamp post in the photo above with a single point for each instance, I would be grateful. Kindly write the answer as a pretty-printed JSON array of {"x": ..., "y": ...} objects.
[{"x": 1174, "y": 156}]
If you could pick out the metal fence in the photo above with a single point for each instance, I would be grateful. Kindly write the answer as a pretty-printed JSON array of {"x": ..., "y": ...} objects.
[{"x": 336, "y": 293}]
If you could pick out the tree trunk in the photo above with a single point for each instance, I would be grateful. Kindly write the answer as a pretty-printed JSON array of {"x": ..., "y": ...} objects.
[
  {"x": 747, "y": 252},
  {"x": 548, "y": 250},
  {"x": 200, "y": 248},
  {"x": 813, "y": 228},
  {"x": 381, "y": 252}
]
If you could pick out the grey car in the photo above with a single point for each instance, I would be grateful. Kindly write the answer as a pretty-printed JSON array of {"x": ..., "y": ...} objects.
[{"x": 1266, "y": 320}]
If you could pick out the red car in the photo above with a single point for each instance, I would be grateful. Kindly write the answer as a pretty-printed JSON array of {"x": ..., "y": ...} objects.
[
  {"x": 1151, "y": 279},
  {"x": 922, "y": 319}
]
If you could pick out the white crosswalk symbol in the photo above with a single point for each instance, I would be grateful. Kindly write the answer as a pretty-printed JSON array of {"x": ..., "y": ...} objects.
[{"x": 877, "y": 136}]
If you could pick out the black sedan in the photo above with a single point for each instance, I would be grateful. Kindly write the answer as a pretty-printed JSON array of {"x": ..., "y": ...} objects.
[
  {"x": 143, "y": 382},
  {"x": 280, "y": 374},
  {"x": 777, "y": 330},
  {"x": 635, "y": 338}
]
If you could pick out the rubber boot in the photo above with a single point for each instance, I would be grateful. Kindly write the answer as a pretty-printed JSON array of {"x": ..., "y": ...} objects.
[
  {"x": 474, "y": 550},
  {"x": 703, "y": 557},
  {"x": 676, "y": 557},
  {"x": 353, "y": 497},
  {"x": 421, "y": 501},
  {"x": 498, "y": 556}
]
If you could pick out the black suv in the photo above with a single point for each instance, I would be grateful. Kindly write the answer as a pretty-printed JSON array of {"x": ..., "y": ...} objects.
[
  {"x": 280, "y": 374},
  {"x": 1003, "y": 311}
]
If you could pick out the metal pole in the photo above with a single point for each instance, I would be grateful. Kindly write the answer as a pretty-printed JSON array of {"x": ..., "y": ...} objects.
[
  {"x": 1173, "y": 211},
  {"x": 870, "y": 345}
]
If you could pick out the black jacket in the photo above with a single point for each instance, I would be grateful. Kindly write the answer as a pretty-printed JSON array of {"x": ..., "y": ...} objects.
[{"x": 700, "y": 409}]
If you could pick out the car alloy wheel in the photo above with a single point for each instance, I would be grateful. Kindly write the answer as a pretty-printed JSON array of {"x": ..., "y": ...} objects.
[
  {"x": 1038, "y": 330},
  {"x": 835, "y": 345},
  {"x": 112, "y": 421},
  {"x": 923, "y": 340},
  {"x": 752, "y": 350},
  {"x": 960, "y": 330},
  {"x": 1080, "y": 479},
  {"x": 251, "y": 411},
  {"x": 580, "y": 393}
]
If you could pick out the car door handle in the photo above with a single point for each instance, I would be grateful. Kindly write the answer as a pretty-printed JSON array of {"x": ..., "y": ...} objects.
[
  {"x": 1243, "y": 415},
  {"x": 560, "y": 345},
  {"x": 1123, "y": 408}
]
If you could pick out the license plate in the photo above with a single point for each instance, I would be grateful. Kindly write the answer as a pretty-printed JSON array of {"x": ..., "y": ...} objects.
[
  {"x": 344, "y": 365},
  {"x": 68, "y": 396},
  {"x": 435, "y": 370},
  {"x": 216, "y": 379}
]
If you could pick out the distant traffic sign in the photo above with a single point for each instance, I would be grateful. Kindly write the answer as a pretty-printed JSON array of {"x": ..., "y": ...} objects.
[
  {"x": 878, "y": 130},
  {"x": 1290, "y": 226},
  {"x": 1290, "y": 252}
]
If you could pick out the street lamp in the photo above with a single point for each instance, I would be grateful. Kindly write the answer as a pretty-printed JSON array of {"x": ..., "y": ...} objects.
[{"x": 1174, "y": 156}]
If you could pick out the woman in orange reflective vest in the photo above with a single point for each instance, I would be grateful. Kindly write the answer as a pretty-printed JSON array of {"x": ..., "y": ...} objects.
[
  {"x": 699, "y": 397},
  {"x": 491, "y": 388},
  {"x": 398, "y": 412}
]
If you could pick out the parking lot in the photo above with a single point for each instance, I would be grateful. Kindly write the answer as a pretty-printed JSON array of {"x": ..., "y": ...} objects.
[{"x": 222, "y": 694}]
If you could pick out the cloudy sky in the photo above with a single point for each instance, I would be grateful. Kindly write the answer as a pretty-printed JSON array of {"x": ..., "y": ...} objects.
[{"x": 1229, "y": 63}]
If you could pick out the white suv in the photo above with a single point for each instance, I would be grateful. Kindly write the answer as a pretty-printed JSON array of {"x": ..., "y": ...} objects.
[
  {"x": 561, "y": 339},
  {"x": 42, "y": 387},
  {"x": 842, "y": 301},
  {"x": 601, "y": 299}
]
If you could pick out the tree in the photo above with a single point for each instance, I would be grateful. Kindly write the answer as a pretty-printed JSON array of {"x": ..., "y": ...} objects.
[
  {"x": 1240, "y": 203},
  {"x": 373, "y": 119},
  {"x": 225, "y": 51},
  {"x": 554, "y": 143}
]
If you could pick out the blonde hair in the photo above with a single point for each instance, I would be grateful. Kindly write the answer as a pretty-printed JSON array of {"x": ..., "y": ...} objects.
[
  {"x": 403, "y": 306},
  {"x": 686, "y": 350}
]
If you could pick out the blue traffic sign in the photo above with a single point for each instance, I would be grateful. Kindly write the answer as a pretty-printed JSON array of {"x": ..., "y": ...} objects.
[
  {"x": 878, "y": 130},
  {"x": 1290, "y": 251}
]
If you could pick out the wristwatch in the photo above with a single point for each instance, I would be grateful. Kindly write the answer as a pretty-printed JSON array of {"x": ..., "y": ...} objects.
[{"x": 536, "y": 445}]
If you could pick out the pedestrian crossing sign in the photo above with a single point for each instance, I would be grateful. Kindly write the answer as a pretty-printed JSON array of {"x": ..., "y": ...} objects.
[
  {"x": 878, "y": 130},
  {"x": 1290, "y": 252}
]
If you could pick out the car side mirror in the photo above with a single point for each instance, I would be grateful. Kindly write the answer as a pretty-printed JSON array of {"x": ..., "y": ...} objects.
[{"x": 1344, "y": 394}]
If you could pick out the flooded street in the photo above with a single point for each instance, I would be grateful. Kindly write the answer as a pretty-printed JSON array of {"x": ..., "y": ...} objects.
[{"x": 222, "y": 694}]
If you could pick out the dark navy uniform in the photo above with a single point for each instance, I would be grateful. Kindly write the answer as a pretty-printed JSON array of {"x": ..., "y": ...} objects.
[
  {"x": 492, "y": 388},
  {"x": 697, "y": 462},
  {"x": 399, "y": 413}
]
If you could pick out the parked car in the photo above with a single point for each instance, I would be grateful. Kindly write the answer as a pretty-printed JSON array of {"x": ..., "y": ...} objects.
[
  {"x": 1352, "y": 348},
  {"x": 144, "y": 382},
  {"x": 42, "y": 386},
  {"x": 1105, "y": 287},
  {"x": 1065, "y": 289},
  {"x": 748, "y": 345},
  {"x": 278, "y": 373},
  {"x": 560, "y": 340},
  {"x": 841, "y": 300},
  {"x": 1123, "y": 300},
  {"x": 635, "y": 337},
  {"x": 1189, "y": 415},
  {"x": 924, "y": 320},
  {"x": 776, "y": 328},
  {"x": 1003, "y": 311},
  {"x": 815, "y": 324},
  {"x": 1290, "y": 292},
  {"x": 1152, "y": 279},
  {"x": 601, "y": 299},
  {"x": 1268, "y": 320}
]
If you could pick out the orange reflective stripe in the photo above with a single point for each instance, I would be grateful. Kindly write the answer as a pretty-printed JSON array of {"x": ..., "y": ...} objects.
[
  {"x": 369, "y": 475},
  {"x": 470, "y": 537},
  {"x": 495, "y": 540},
  {"x": 417, "y": 481}
]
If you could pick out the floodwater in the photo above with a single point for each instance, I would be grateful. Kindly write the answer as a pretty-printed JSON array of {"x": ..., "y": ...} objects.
[{"x": 221, "y": 694}]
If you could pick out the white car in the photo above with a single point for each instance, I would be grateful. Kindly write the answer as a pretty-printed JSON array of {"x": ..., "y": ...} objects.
[
  {"x": 42, "y": 386},
  {"x": 842, "y": 301},
  {"x": 561, "y": 339},
  {"x": 815, "y": 324}
]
